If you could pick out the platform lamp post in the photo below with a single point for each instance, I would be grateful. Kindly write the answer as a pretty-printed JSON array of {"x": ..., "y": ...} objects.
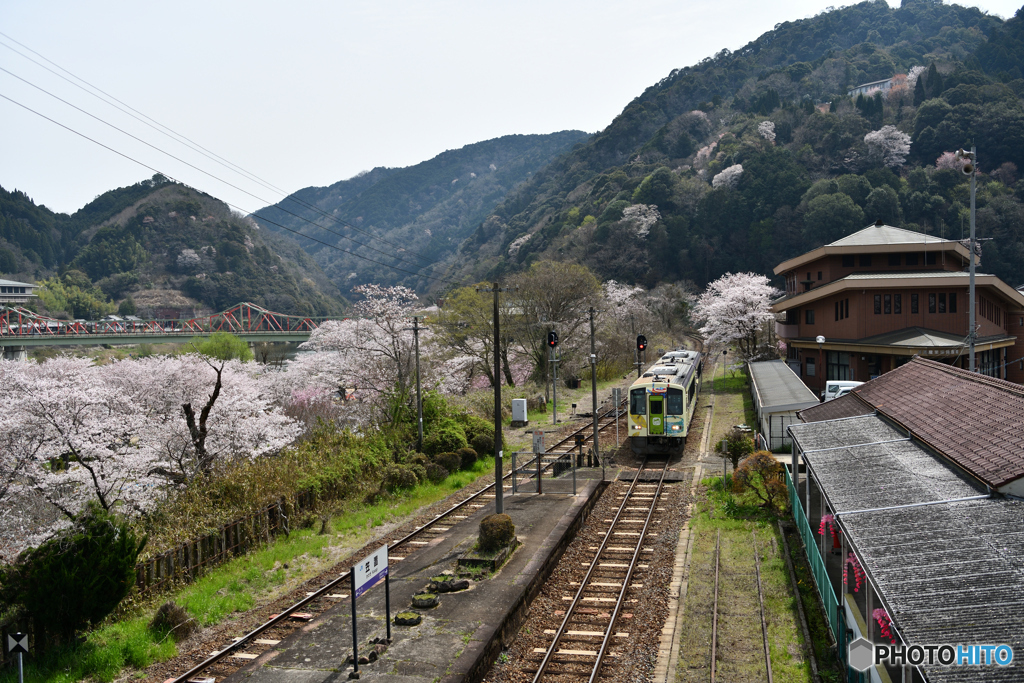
[
  {"x": 821, "y": 365},
  {"x": 970, "y": 168}
]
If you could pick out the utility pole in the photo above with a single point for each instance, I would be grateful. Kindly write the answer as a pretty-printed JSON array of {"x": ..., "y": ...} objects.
[
  {"x": 553, "y": 345},
  {"x": 498, "y": 470},
  {"x": 971, "y": 168},
  {"x": 593, "y": 388},
  {"x": 419, "y": 395}
]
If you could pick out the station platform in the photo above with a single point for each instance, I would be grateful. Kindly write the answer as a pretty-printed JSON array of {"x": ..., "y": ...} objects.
[{"x": 459, "y": 639}]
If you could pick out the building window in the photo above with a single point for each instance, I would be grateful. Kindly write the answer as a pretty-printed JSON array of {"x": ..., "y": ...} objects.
[
  {"x": 911, "y": 259},
  {"x": 809, "y": 316},
  {"x": 894, "y": 259},
  {"x": 838, "y": 304},
  {"x": 887, "y": 307},
  {"x": 897, "y": 303},
  {"x": 846, "y": 305},
  {"x": 952, "y": 302},
  {"x": 942, "y": 302},
  {"x": 931, "y": 303},
  {"x": 913, "y": 303},
  {"x": 819, "y": 274},
  {"x": 810, "y": 368},
  {"x": 865, "y": 260},
  {"x": 847, "y": 262},
  {"x": 878, "y": 304},
  {"x": 838, "y": 366},
  {"x": 930, "y": 258},
  {"x": 808, "y": 276}
]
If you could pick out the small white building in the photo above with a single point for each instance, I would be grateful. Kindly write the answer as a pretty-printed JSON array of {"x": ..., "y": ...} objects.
[
  {"x": 778, "y": 394},
  {"x": 12, "y": 292}
]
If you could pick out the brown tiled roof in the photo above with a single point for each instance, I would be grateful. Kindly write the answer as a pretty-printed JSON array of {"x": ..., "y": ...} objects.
[
  {"x": 974, "y": 420},
  {"x": 844, "y": 406}
]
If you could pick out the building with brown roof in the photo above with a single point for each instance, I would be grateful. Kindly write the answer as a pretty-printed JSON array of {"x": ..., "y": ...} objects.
[{"x": 884, "y": 295}]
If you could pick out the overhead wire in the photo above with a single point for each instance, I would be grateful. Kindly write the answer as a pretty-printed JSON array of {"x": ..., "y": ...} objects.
[
  {"x": 234, "y": 206},
  {"x": 196, "y": 147},
  {"x": 194, "y": 167}
]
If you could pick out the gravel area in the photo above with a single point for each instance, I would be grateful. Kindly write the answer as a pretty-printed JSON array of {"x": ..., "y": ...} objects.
[{"x": 643, "y": 614}]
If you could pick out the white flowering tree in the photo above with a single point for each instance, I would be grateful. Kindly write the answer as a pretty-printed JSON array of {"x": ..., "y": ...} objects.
[
  {"x": 729, "y": 177},
  {"x": 735, "y": 310},
  {"x": 767, "y": 131},
  {"x": 889, "y": 145},
  {"x": 641, "y": 217}
]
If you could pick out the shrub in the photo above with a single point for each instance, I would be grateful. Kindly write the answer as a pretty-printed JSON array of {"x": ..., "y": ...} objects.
[
  {"x": 398, "y": 477},
  {"x": 496, "y": 532},
  {"x": 475, "y": 426},
  {"x": 483, "y": 443},
  {"x": 418, "y": 459},
  {"x": 421, "y": 471},
  {"x": 77, "y": 578},
  {"x": 445, "y": 437},
  {"x": 738, "y": 445},
  {"x": 467, "y": 457},
  {"x": 436, "y": 473},
  {"x": 174, "y": 620},
  {"x": 762, "y": 474},
  {"x": 449, "y": 461}
]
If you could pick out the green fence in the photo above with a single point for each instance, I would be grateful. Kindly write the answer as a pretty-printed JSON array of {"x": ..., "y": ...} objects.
[{"x": 828, "y": 596}]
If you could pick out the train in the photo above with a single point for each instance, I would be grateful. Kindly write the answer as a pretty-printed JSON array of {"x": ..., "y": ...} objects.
[{"x": 662, "y": 402}]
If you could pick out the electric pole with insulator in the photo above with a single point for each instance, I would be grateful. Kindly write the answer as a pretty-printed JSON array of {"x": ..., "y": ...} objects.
[
  {"x": 553, "y": 344},
  {"x": 593, "y": 388},
  {"x": 498, "y": 471}
]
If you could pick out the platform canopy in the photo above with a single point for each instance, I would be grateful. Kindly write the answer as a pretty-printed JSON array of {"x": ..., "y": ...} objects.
[{"x": 777, "y": 389}]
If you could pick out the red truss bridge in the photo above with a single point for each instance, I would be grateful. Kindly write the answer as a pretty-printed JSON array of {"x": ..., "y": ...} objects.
[{"x": 20, "y": 328}]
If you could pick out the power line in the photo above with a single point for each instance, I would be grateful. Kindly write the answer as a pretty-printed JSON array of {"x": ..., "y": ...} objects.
[
  {"x": 194, "y": 146},
  {"x": 194, "y": 167},
  {"x": 283, "y": 227}
]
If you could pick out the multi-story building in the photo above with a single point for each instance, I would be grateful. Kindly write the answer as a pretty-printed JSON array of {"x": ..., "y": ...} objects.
[{"x": 884, "y": 295}]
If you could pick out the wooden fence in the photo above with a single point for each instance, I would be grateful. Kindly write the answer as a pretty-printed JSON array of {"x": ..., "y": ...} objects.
[{"x": 187, "y": 561}]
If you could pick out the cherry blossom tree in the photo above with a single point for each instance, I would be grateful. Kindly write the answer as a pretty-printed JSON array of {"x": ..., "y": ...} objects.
[
  {"x": 949, "y": 160},
  {"x": 642, "y": 217},
  {"x": 735, "y": 310},
  {"x": 888, "y": 144},
  {"x": 767, "y": 131},
  {"x": 729, "y": 177}
]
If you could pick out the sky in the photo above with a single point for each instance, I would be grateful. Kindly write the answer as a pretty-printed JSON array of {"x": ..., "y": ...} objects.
[{"x": 310, "y": 93}]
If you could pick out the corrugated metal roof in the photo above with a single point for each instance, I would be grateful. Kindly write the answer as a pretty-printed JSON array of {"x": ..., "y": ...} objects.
[
  {"x": 885, "y": 234},
  {"x": 10, "y": 283},
  {"x": 778, "y": 389},
  {"x": 844, "y": 406},
  {"x": 904, "y": 275},
  {"x": 947, "y": 573}
]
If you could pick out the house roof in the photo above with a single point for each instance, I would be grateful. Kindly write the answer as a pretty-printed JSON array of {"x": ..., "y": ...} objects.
[
  {"x": 947, "y": 572},
  {"x": 777, "y": 389},
  {"x": 974, "y": 420},
  {"x": 838, "y": 408},
  {"x": 922, "y": 337},
  {"x": 876, "y": 238},
  {"x": 890, "y": 280},
  {"x": 13, "y": 283}
]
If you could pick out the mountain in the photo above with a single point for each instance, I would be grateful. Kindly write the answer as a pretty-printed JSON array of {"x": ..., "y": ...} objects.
[
  {"x": 163, "y": 245},
  {"x": 409, "y": 221},
  {"x": 650, "y": 198}
]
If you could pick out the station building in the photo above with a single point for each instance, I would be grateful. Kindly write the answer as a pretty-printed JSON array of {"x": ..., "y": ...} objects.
[
  {"x": 884, "y": 295},
  {"x": 912, "y": 515}
]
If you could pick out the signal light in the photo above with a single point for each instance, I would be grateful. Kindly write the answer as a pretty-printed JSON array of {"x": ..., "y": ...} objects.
[
  {"x": 552, "y": 339},
  {"x": 641, "y": 342}
]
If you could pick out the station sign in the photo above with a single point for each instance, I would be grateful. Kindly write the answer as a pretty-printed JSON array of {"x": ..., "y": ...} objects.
[{"x": 371, "y": 570}]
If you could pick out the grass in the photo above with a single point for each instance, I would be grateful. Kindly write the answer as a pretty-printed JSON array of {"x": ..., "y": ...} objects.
[
  {"x": 736, "y": 516},
  {"x": 236, "y": 586},
  {"x": 733, "y": 403}
]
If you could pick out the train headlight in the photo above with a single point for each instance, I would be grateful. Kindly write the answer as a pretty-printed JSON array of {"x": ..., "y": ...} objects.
[{"x": 675, "y": 428}]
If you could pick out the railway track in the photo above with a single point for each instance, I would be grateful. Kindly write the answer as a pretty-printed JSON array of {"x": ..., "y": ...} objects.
[
  {"x": 735, "y": 612},
  {"x": 325, "y": 591},
  {"x": 582, "y": 647}
]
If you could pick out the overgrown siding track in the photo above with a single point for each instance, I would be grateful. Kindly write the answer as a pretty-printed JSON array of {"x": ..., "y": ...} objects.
[
  {"x": 321, "y": 593},
  {"x": 738, "y": 618}
]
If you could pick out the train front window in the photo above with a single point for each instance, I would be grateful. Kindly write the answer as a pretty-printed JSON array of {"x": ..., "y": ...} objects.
[
  {"x": 655, "y": 407},
  {"x": 638, "y": 402},
  {"x": 674, "y": 402}
]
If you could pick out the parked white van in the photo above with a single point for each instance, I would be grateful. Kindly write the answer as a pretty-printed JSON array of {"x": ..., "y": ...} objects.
[{"x": 835, "y": 389}]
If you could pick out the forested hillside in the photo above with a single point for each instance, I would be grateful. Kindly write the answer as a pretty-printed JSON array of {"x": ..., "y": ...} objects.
[
  {"x": 755, "y": 156},
  {"x": 423, "y": 212},
  {"x": 156, "y": 244}
]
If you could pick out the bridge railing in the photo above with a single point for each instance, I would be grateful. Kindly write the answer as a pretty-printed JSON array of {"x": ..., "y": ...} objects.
[{"x": 245, "y": 318}]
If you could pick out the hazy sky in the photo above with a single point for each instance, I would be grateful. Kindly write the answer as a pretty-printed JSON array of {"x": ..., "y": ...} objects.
[{"x": 309, "y": 93}]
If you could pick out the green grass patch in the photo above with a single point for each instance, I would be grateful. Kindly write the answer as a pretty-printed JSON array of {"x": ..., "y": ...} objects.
[{"x": 235, "y": 586}]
